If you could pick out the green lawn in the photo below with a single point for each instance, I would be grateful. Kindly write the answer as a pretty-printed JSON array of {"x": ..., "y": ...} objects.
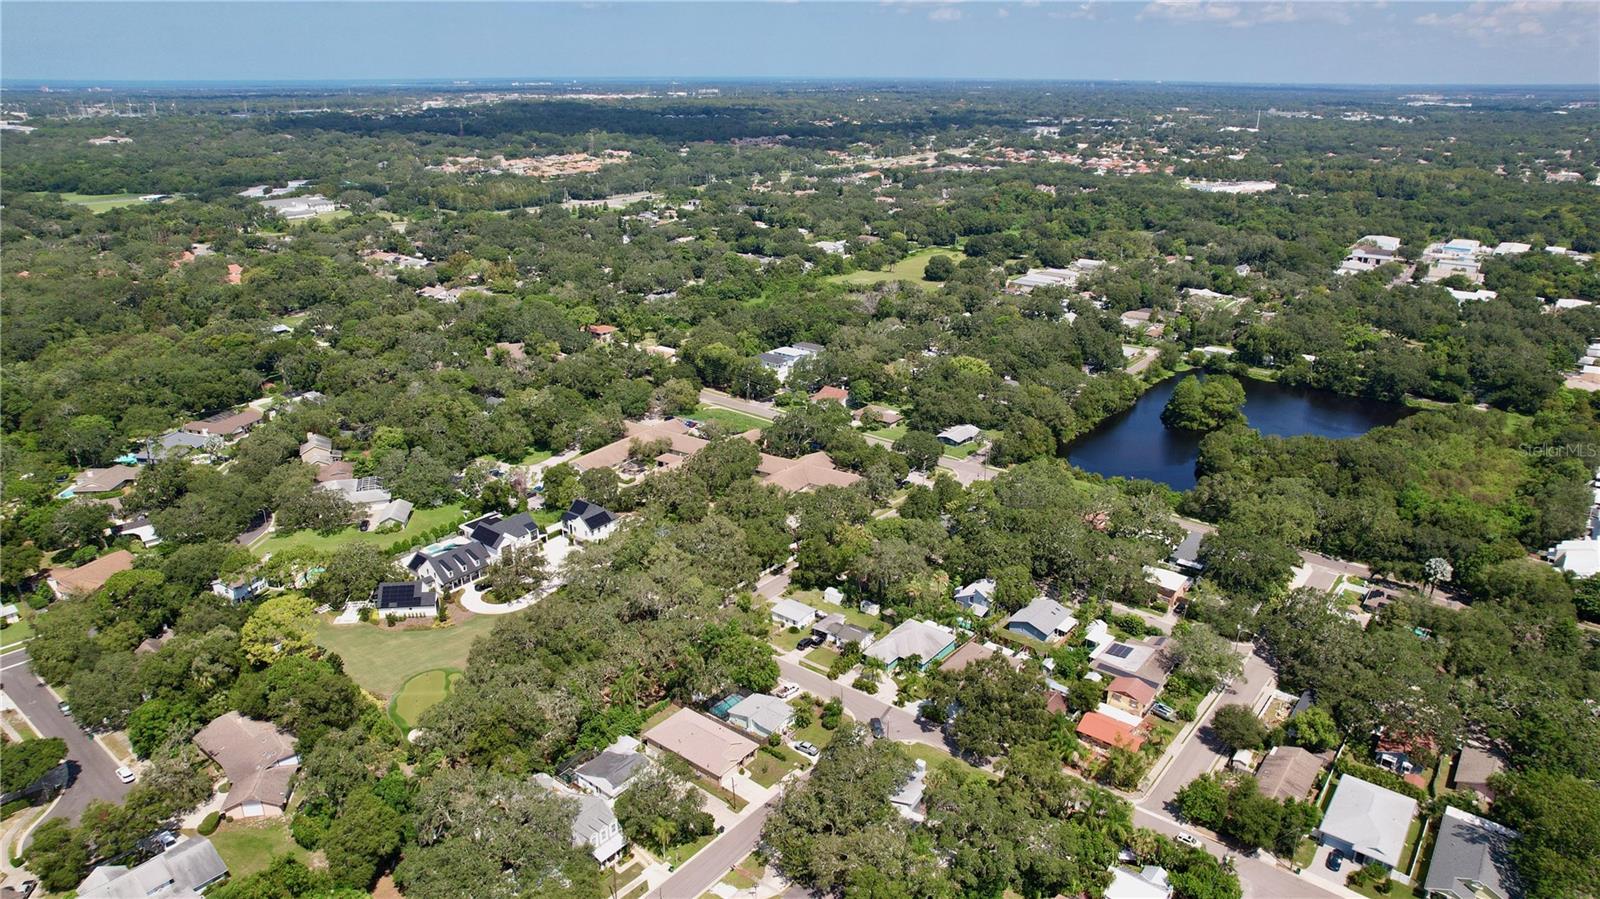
[
  {"x": 815, "y": 734},
  {"x": 98, "y": 203},
  {"x": 766, "y": 770},
  {"x": 822, "y": 657},
  {"x": 381, "y": 659},
  {"x": 739, "y": 878},
  {"x": 937, "y": 758},
  {"x": 677, "y": 855},
  {"x": 781, "y": 638},
  {"x": 421, "y": 520},
  {"x": 971, "y": 446},
  {"x": 420, "y": 693},
  {"x": 249, "y": 846},
  {"x": 16, "y": 633},
  {"x": 735, "y": 420},
  {"x": 891, "y": 434},
  {"x": 910, "y": 269},
  {"x": 1305, "y": 853},
  {"x": 536, "y": 457}
]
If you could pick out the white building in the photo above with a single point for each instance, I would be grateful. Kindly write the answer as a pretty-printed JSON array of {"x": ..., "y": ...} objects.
[
  {"x": 761, "y": 714},
  {"x": 1366, "y": 822},
  {"x": 793, "y": 613},
  {"x": 595, "y": 825}
]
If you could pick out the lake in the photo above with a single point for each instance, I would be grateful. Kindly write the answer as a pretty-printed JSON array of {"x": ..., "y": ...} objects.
[{"x": 1135, "y": 444}]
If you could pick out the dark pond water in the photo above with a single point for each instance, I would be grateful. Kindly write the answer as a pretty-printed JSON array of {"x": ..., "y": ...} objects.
[{"x": 1136, "y": 444}]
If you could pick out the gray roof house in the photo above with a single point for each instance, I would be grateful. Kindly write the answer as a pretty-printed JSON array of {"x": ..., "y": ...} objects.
[
  {"x": 977, "y": 597},
  {"x": 404, "y": 598},
  {"x": 1472, "y": 859},
  {"x": 610, "y": 772},
  {"x": 836, "y": 630},
  {"x": 595, "y": 825},
  {"x": 497, "y": 532},
  {"x": 183, "y": 871},
  {"x": 259, "y": 760},
  {"x": 450, "y": 568},
  {"x": 1043, "y": 620},
  {"x": 1367, "y": 822},
  {"x": 761, "y": 714}
]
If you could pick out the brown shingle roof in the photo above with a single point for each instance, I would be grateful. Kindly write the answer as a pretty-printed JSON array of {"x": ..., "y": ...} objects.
[
  {"x": 252, "y": 754},
  {"x": 91, "y": 577},
  {"x": 1288, "y": 772}
]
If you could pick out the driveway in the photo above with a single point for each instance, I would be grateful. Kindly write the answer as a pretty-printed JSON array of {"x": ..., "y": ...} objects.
[
  {"x": 1258, "y": 879},
  {"x": 898, "y": 724},
  {"x": 722, "y": 400},
  {"x": 93, "y": 770}
]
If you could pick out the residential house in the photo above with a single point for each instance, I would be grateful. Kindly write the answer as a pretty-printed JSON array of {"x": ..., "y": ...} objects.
[
  {"x": 595, "y": 825},
  {"x": 1579, "y": 556},
  {"x": 829, "y": 393},
  {"x": 441, "y": 293},
  {"x": 89, "y": 577},
  {"x": 318, "y": 450},
  {"x": 1474, "y": 767},
  {"x": 1187, "y": 556},
  {"x": 907, "y": 800},
  {"x": 1131, "y": 695},
  {"x": 1097, "y": 637},
  {"x": 239, "y": 588},
  {"x": 803, "y": 474},
  {"x": 614, "y": 769},
  {"x": 1397, "y": 750},
  {"x": 1472, "y": 859},
  {"x": 258, "y": 759},
  {"x": 977, "y": 597},
  {"x": 1170, "y": 585},
  {"x": 838, "y": 632},
  {"x": 182, "y": 871},
  {"x": 1366, "y": 822},
  {"x": 101, "y": 480},
  {"x": 762, "y": 715},
  {"x": 141, "y": 529},
  {"x": 783, "y": 359},
  {"x": 888, "y": 417},
  {"x": 450, "y": 567},
  {"x": 1149, "y": 882},
  {"x": 1143, "y": 659},
  {"x": 1036, "y": 278},
  {"x": 708, "y": 746},
  {"x": 601, "y": 333},
  {"x": 404, "y": 599},
  {"x": 1289, "y": 772},
  {"x": 924, "y": 640},
  {"x": 500, "y": 534},
  {"x": 172, "y": 445},
  {"x": 1043, "y": 619},
  {"x": 619, "y": 454},
  {"x": 959, "y": 435},
  {"x": 364, "y": 493},
  {"x": 1511, "y": 248},
  {"x": 1368, "y": 253},
  {"x": 1104, "y": 732},
  {"x": 793, "y": 613},
  {"x": 395, "y": 512},
  {"x": 10, "y": 614},
  {"x": 227, "y": 424},
  {"x": 584, "y": 521},
  {"x": 297, "y": 208},
  {"x": 970, "y": 652}
]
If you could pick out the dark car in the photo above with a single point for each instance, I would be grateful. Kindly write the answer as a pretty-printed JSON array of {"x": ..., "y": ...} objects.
[
  {"x": 877, "y": 728},
  {"x": 809, "y": 642},
  {"x": 1335, "y": 859}
]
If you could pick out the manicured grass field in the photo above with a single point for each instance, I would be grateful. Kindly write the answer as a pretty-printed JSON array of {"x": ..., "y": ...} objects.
[
  {"x": 935, "y": 759},
  {"x": 912, "y": 268},
  {"x": 971, "y": 446},
  {"x": 736, "y": 420},
  {"x": 421, "y": 520},
  {"x": 677, "y": 855},
  {"x": 16, "y": 633},
  {"x": 98, "y": 203},
  {"x": 381, "y": 659},
  {"x": 535, "y": 457},
  {"x": 822, "y": 657},
  {"x": 891, "y": 434},
  {"x": 420, "y": 693},
  {"x": 249, "y": 846},
  {"x": 766, "y": 770}
]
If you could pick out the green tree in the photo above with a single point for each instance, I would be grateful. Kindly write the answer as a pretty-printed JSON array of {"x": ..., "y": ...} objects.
[
  {"x": 1238, "y": 727},
  {"x": 1315, "y": 729},
  {"x": 58, "y": 855},
  {"x": 23, "y": 763},
  {"x": 518, "y": 571},
  {"x": 940, "y": 268},
  {"x": 1199, "y": 652},
  {"x": 281, "y": 626},
  {"x": 351, "y": 573},
  {"x": 560, "y": 486},
  {"x": 662, "y": 809},
  {"x": 363, "y": 839},
  {"x": 921, "y": 448},
  {"x": 1558, "y": 817},
  {"x": 1204, "y": 405}
]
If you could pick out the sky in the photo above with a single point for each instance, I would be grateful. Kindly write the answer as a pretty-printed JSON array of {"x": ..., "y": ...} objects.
[{"x": 1217, "y": 41}]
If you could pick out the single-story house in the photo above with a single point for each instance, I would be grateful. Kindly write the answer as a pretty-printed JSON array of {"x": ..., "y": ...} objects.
[
  {"x": 404, "y": 599},
  {"x": 104, "y": 480},
  {"x": 601, "y": 333},
  {"x": 1169, "y": 584},
  {"x": 182, "y": 871},
  {"x": 889, "y": 417},
  {"x": 226, "y": 424},
  {"x": 1472, "y": 859},
  {"x": 595, "y": 825},
  {"x": 957, "y": 435},
  {"x": 762, "y": 715},
  {"x": 89, "y": 577},
  {"x": 317, "y": 450},
  {"x": 1143, "y": 659},
  {"x": 1149, "y": 882},
  {"x": 1097, "y": 636},
  {"x": 829, "y": 393},
  {"x": 806, "y": 473},
  {"x": 1104, "y": 732},
  {"x": 703, "y": 743},
  {"x": 1366, "y": 822},
  {"x": 1043, "y": 619},
  {"x": 1131, "y": 694},
  {"x": 926, "y": 640},
  {"x": 1288, "y": 772},
  {"x": 1474, "y": 767},
  {"x": 908, "y": 799},
  {"x": 977, "y": 597},
  {"x": 584, "y": 520},
  {"x": 141, "y": 529},
  {"x": 681, "y": 445},
  {"x": 395, "y": 511},
  {"x": 450, "y": 568},
  {"x": 970, "y": 651},
  {"x": 611, "y": 772},
  {"x": 9, "y": 613},
  {"x": 793, "y": 613},
  {"x": 1187, "y": 555},
  {"x": 258, "y": 759},
  {"x": 240, "y": 588},
  {"x": 499, "y": 533},
  {"x": 365, "y": 492},
  {"x": 839, "y": 632}
]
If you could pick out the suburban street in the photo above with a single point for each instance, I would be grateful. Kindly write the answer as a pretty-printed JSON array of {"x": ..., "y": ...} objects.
[
  {"x": 94, "y": 771},
  {"x": 709, "y": 865},
  {"x": 898, "y": 724},
  {"x": 1193, "y": 757}
]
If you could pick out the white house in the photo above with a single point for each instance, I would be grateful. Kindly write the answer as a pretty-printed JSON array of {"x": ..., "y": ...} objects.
[
  {"x": 957, "y": 435},
  {"x": 395, "y": 511},
  {"x": 783, "y": 359},
  {"x": 1580, "y": 557},
  {"x": 761, "y": 714},
  {"x": 927, "y": 641},
  {"x": 595, "y": 825},
  {"x": 584, "y": 521},
  {"x": 793, "y": 613},
  {"x": 1366, "y": 822},
  {"x": 977, "y": 597},
  {"x": 1149, "y": 882}
]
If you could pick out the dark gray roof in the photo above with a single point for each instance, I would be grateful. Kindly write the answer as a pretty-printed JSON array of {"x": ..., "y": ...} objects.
[
  {"x": 593, "y": 516},
  {"x": 612, "y": 767},
  {"x": 402, "y": 595},
  {"x": 491, "y": 529},
  {"x": 1472, "y": 850},
  {"x": 181, "y": 871},
  {"x": 468, "y": 558}
]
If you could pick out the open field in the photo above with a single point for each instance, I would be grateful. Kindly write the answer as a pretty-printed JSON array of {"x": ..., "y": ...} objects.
[
  {"x": 736, "y": 420},
  {"x": 98, "y": 203},
  {"x": 421, "y": 692},
  {"x": 910, "y": 269},
  {"x": 421, "y": 520},
  {"x": 381, "y": 659},
  {"x": 249, "y": 846}
]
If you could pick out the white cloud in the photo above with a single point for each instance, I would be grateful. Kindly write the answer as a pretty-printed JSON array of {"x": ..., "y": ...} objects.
[
  {"x": 1486, "y": 23},
  {"x": 945, "y": 14},
  {"x": 1244, "y": 15}
]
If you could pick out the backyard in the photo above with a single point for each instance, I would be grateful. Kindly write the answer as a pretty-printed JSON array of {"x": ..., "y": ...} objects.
[
  {"x": 422, "y": 520},
  {"x": 912, "y": 268},
  {"x": 381, "y": 659},
  {"x": 249, "y": 846}
]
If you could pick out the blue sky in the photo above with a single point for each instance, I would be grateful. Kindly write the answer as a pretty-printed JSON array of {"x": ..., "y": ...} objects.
[{"x": 1320, "y": 41}]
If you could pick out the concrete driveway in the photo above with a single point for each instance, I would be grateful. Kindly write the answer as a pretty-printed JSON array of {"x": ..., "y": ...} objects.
[{"x": 93, "y": 770}]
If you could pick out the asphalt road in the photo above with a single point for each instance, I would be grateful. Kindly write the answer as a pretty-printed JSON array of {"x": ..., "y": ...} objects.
[
  {"x": 1197, "y": 754},
  {"x": 710, "y": 864},
  {"x": 898, "y": 724},
  {"x": 94, "y": 771}
]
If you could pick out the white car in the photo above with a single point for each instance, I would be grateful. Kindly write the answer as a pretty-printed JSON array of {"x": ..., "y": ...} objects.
[
  {"x": 125, "y": 774},
  {"x": 1190, "y": 840}
]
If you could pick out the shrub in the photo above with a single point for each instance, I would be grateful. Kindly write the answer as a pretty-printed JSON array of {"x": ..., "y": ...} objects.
[
  {"x": 308, "y": 831},
  {"x": 208, "y": 825},
  {"x": 776, "y": 751},
  {"x": 40, "y": 598},
  {"x": 391, "y": 619},
  {"x": 12, "y": 807}
]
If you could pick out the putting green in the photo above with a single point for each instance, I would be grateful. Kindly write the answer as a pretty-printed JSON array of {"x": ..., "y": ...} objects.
[{"x": 421, "y": 692}]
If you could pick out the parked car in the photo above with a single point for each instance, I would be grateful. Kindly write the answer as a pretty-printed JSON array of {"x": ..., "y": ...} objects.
[
  {"x": 809, "y": 642},
  {"x": 1162, "y": 710},
  {"x": 1335, "y": 859},
  {"x": 65, "y": 709},
  {"x": 1188, "y": 839},
  {"x": 26, "y": 888},
  {"x": 125, "y": 774},
  {"x": 807, "y": 749},
  {"x": 877, "y": 728},
  {"x": 786, "y": 689}
]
